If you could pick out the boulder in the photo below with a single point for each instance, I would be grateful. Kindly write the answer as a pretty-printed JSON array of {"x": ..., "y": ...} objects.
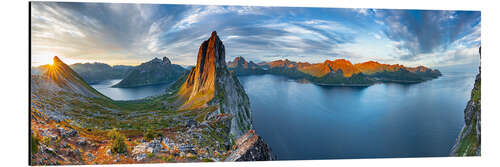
[
  {"x": 90, "y": 156},
  {"x": 67, "y": 133}
]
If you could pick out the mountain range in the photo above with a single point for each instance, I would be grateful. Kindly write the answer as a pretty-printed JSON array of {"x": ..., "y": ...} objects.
[
  {"x": 336, "y": 72},
  {"x": 98, "y": 72}
]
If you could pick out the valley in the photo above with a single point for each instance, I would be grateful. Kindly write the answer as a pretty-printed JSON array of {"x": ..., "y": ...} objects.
[{"x": 72, "y": 123}]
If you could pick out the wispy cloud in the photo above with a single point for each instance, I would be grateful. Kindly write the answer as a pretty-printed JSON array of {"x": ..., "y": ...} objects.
[{"x": 133, "y": 33}]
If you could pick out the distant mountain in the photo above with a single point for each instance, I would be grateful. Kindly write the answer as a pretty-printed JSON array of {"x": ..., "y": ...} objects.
[
  {"x": 187, "y": 67},
  {"x": 60, "y": 77},
  {"x": 396, "y": 72},
  {"x": 340, "y": 72},
  {"x": 153, "y": 72},
  {"x": 240, "y": 66},
  {"x": 97, "y": 72}
]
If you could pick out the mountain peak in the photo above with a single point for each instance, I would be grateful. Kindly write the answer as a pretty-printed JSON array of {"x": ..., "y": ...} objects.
[
  {"x": 166, "y": 60},
  {"x": 56, "y": 60},
  {"x": 211, "y": 83},
  {"x": 239, "y": 60},
  {"x": 201, "y": 79},
  {"x": 156, "y": 71},
  {"x": 213, "y": 35},
  {"x": 65, "y": 78}
]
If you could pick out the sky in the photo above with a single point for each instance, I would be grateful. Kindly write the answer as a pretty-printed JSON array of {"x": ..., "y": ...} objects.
[{"x": 129, "y": 34}]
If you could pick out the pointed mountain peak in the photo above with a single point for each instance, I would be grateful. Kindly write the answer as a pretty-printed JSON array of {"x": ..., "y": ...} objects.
[
  {"x": 211, "y": 83},
  {"x": 56, "y": 60},
  {"x": 239, "y": 60},
  {"x": 62, "y": 75},
  {"x": 213, "y": 35},
  {"x": 166, "y": 60},
  {"x": 210, "y": 60}
]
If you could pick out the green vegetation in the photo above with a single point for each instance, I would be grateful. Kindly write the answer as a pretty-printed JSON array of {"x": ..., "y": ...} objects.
[
  {"x": 470, "y": 142},
  {"x": 46, "y": 140},
  {"x": 150, "y": 155},
  {"x": 117, "y": 142},
  {"x": 207, "y": 160},
  {"x": 34, "y": 144},
  {"x": 150, "y": 134}
]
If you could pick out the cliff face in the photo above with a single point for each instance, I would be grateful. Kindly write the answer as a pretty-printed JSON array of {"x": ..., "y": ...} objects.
[
  {"x": 210, "y": 83},
  {"x": 250, "y": 147},
  {"x": 156, "y": 71},
  {"x": 469, "y": 140}
]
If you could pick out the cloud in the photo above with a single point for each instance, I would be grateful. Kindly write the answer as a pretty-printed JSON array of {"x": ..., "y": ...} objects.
[
  {"x": 133, "y": 33},
  {"x": 361, "y": 11},
  {"x": 426, "y": 31}
]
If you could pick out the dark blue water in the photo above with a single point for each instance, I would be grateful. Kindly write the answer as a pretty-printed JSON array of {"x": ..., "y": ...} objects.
[
  {"x": 305, "y": 121},
  {"x": 128, "y": 93}
]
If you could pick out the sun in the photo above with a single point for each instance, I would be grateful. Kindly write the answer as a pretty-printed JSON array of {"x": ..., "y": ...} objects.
[{"x": 42, "y": 59}]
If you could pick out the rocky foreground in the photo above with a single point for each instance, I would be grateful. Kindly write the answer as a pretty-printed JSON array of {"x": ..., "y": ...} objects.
[{"x": 204, "y": 116}]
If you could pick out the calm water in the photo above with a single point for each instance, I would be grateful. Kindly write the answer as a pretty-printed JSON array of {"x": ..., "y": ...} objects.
[
  {"x": 306, "y": 121},
  {"x": 128, "y": 93}
]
